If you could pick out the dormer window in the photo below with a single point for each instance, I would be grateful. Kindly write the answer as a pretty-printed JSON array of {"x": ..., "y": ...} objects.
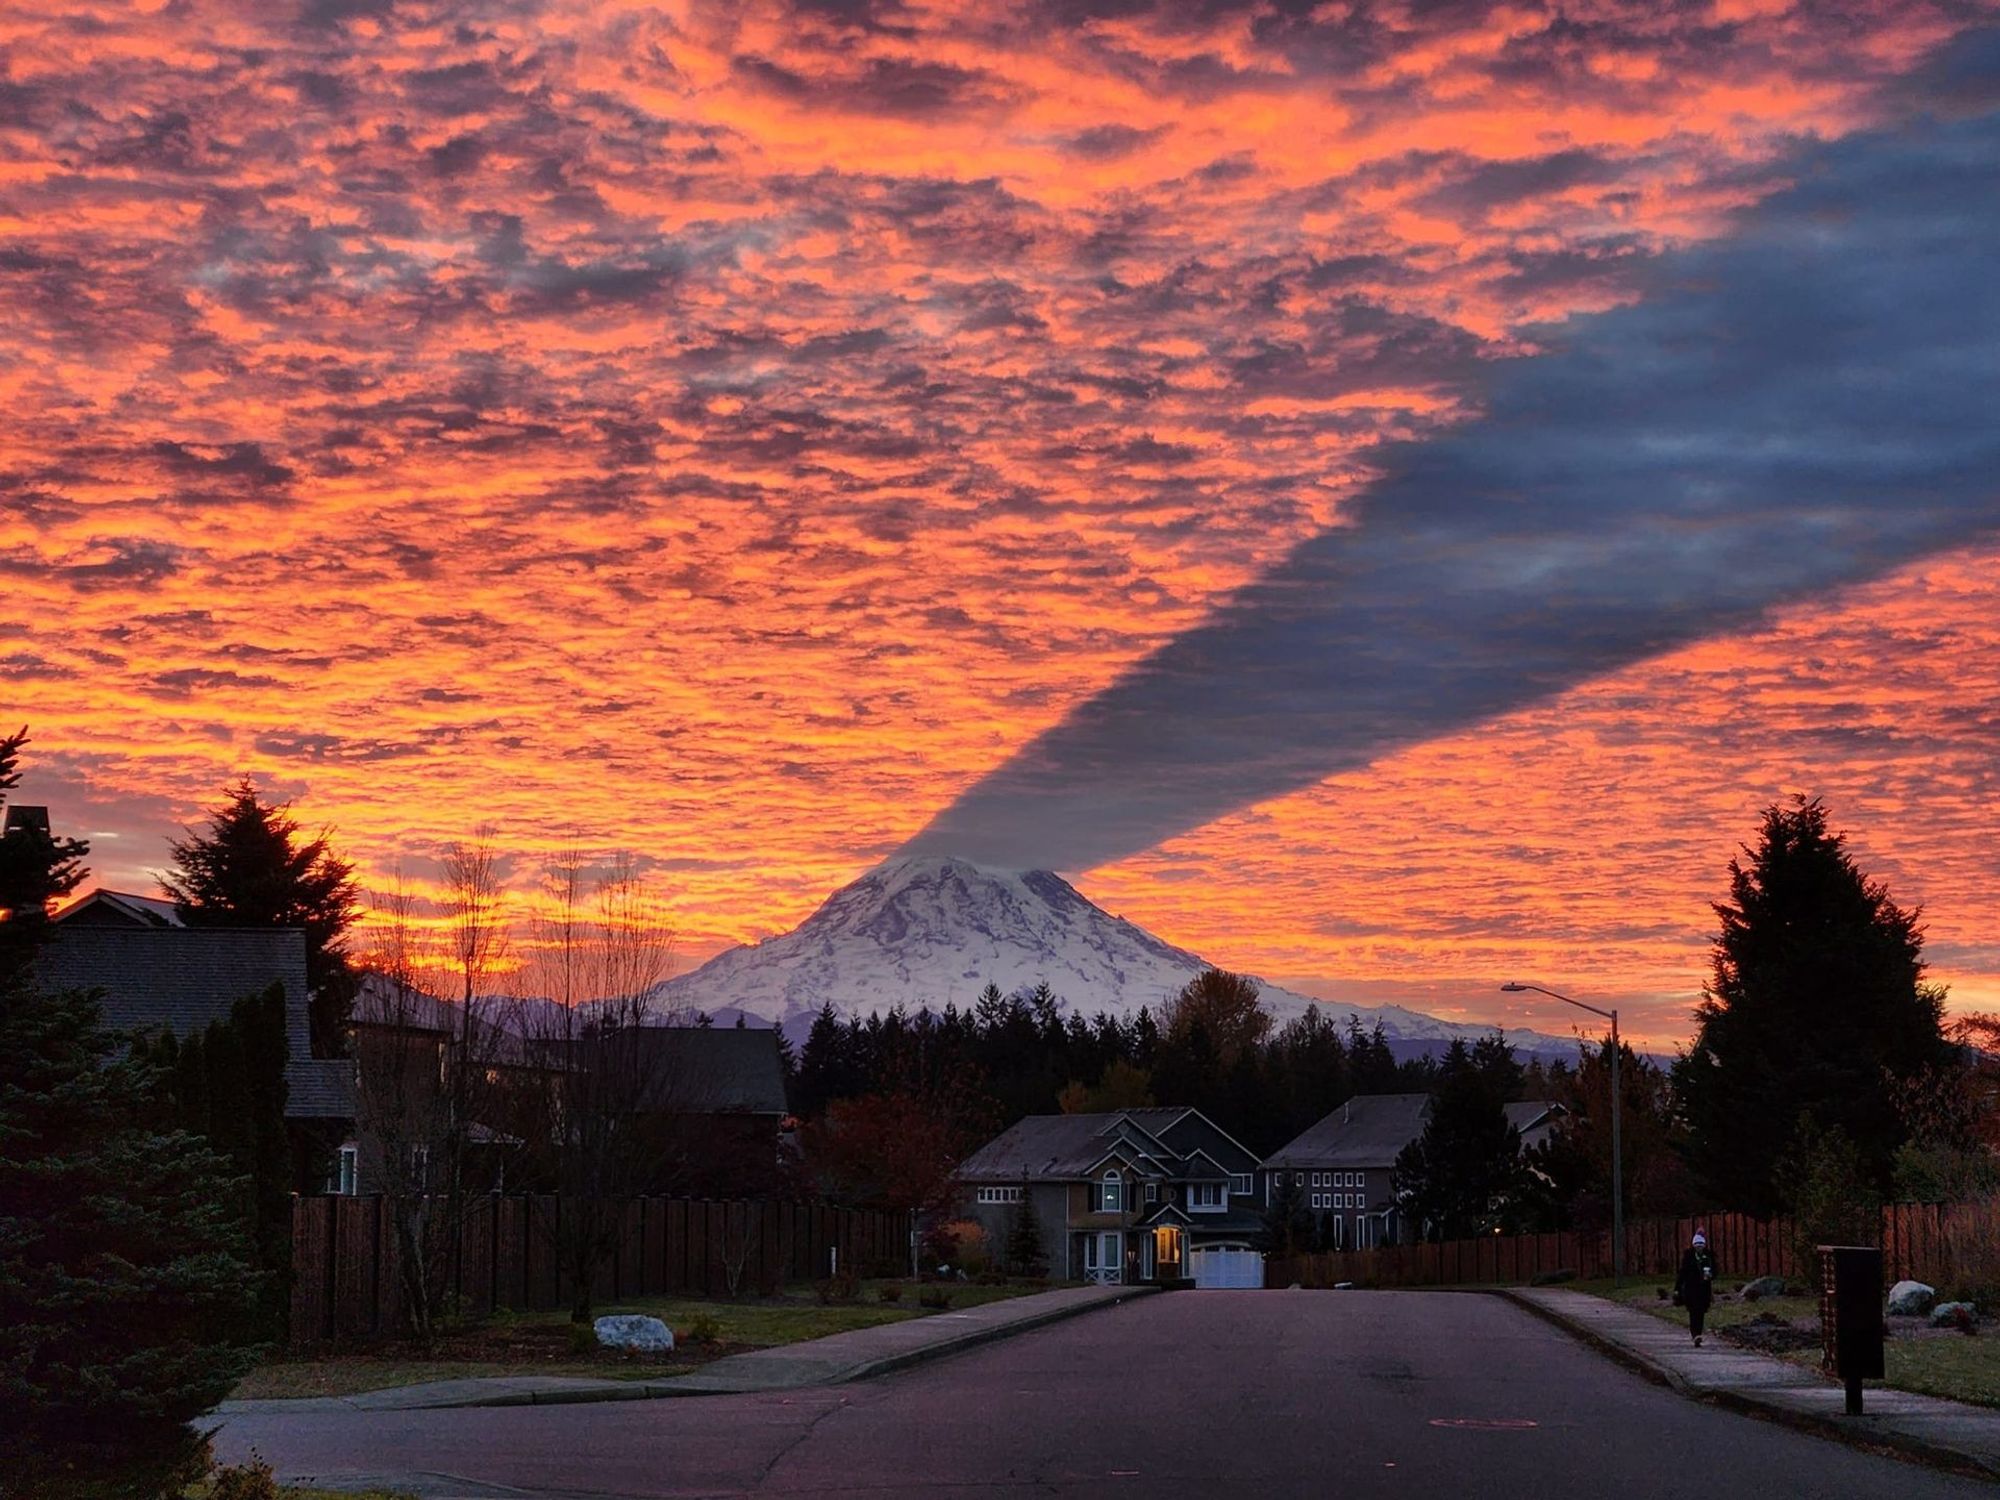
[
  {"x": 1205, "y": 1197},
  {"x": 1111, "y": 1194}
]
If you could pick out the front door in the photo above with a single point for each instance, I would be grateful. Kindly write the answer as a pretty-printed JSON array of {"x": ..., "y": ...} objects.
[{"x": 1104, "y": 1257}]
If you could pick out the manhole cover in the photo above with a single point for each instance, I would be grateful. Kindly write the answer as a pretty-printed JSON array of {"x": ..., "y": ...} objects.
[{"x": 1489, "y": 1424}]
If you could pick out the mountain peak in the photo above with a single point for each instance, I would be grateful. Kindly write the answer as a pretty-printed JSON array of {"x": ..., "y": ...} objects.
[{"x": 935, "y": 929}]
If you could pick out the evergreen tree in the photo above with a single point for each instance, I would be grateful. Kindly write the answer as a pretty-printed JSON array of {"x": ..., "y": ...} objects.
[
  {"x": 123, "y": 1266},
  {"x": 36, "y": 870},
  {"x": 1816, "y": 1006},
  {"x": 252, "y": 868},
  {"x": 226, "y": 1084},
  {"x": 1025, "y": 1253},
  {"x": 1288, "y": 1221},
  {"x": 1455, "y": 1178}
]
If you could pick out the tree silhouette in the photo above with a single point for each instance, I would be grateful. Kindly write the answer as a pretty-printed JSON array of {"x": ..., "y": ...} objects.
[{"x": 1816, "y": 1006}]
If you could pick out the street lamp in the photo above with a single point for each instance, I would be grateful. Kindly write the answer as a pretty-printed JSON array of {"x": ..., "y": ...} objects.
[{"x": 1513, "y": 987}]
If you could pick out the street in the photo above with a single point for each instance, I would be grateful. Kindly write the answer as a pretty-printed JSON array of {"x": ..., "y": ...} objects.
[{"x": 1198, "y": 1394}]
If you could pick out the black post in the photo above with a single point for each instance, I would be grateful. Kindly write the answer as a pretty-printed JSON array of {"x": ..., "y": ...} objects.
[{"x": 1854, "y": 1395}]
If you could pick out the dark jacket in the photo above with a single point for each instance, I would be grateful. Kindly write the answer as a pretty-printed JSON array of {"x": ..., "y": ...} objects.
[{"x": 1696, "y": 1283}]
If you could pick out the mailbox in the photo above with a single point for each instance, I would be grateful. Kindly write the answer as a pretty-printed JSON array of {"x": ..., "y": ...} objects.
[{"x": 1850, "y": 1316}]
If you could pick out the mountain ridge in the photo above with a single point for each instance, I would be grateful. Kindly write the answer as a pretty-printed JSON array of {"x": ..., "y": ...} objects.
[{"x": 934, "y": 930}]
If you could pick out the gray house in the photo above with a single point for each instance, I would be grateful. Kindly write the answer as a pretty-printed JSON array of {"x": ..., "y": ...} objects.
[
  {"x": 1131, "y": 1196},
  {"x": 153, "y": 974},
  {"x": 1343, "y": 1164}
]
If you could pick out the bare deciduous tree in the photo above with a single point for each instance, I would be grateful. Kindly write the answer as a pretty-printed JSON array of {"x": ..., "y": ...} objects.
[{"x": 599, "y": 1126}]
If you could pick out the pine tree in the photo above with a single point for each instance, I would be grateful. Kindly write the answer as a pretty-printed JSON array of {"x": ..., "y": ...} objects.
[
  {"x": 1288, "y": 1224},
  {"x": 1816, "y": 1006},
  {"x": 1462, "y": 1171},
  {"x": 123, "y": 1266},
  {"x": 1025, "y": 1253},
  {"x": 36, "y": 871},
  {"x": 251, "y": 868}
]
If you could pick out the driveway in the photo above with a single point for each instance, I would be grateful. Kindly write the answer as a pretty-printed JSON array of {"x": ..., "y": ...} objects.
[{"x": 1403, "y": 1394}]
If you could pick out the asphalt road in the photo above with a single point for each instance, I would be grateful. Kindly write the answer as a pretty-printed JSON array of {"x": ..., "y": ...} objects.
[{"x": 1262, "y": 1394}]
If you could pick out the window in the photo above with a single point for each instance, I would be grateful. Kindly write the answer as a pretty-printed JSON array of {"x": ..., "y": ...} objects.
[
  {"x": 1111, "y": 1194},
  {"x": 1152, "y": 1192},
  {"x": 1205, "y": 1197},
  {"x": 1239, "y": 1186},
  {"x": 1319, "y": 1200},
  {"x": 420, "y": 1169},
  {"x": 999, "y": 1195},
  {"x": 347, "y": 1178}
]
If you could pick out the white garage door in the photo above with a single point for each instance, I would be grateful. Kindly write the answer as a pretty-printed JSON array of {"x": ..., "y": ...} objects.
[{"x": 1215, "y": 1267}]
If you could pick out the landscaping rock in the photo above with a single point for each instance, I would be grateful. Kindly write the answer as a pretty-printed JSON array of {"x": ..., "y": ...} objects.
[
  {"x": 1555, "y": 1277},
  {"x": 1955, "y": 1315},
  {"x": 1911, "y": 1298},
  {"x": 1763, "y": 1286},
  {"x": 636, "y": 1332}
]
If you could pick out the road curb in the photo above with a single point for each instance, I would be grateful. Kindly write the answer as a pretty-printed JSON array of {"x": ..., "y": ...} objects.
[
  {"x": 689, "y": 1386},
  {"x": 973, "y": 1338},
  {"x": 1877, "y": 1439}
]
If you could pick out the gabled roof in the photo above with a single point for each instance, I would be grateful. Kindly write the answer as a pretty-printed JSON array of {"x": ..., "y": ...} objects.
[
  {"x": 1535, "y": 1119},
  {"x": 1369, "y": 1130},
  {"x": 712, "y": 1070},
  {"x": 180, "y": 979},
  {"x": 105, "y": 908},
  {"x": 1071, "y": 1148}
]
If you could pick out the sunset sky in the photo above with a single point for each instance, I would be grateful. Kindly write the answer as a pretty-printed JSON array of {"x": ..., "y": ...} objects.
[{"x": 1381, "y": 495}]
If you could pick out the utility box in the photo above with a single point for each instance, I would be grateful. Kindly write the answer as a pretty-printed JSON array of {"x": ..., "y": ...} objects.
[{"x": 1850, "y": 1316}]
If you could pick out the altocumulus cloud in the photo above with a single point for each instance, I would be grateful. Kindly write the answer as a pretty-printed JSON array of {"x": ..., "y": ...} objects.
[{"x": 1791, "y": 409}]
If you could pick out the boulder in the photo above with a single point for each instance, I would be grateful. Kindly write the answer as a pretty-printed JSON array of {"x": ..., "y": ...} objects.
[
  {"x": 1763, "y": 1286},
  {"x": 636, "y": 1332},
  {"x": 1954, "y": 1315},
  {"x": 1555, "y": 1277},
  {"x": 1911, "y": 1298}
]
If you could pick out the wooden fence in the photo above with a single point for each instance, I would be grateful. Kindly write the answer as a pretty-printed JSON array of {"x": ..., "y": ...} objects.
[
  {"x": 1913, "y": 1238},
  {"x": 345, "y": 1287}
]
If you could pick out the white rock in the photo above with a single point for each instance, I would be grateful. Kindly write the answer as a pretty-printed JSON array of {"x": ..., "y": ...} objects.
[
  {"x": 634, "y": 1331},
  {"x": 1911, "y": 1298},
  {"x": 1953, "y": 1314}
]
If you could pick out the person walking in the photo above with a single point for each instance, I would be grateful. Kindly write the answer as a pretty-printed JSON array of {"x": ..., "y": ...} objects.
[{"x": 1694, "y": 1287}]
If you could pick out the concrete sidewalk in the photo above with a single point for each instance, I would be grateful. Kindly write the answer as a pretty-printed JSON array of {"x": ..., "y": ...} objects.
[
  {"x": 840, "y": 1357},
  {"x": 1941, "y": 1431}
]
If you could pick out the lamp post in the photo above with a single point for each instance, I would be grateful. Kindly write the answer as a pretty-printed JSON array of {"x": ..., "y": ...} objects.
[{"x": 1513, "y": 987}]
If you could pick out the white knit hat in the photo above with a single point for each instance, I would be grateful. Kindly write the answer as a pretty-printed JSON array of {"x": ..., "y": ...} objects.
[{"x": 1700, "y": 1239}]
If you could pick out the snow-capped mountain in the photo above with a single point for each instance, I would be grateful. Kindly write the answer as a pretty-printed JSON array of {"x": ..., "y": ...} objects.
[{"x": 925, "y": 930}]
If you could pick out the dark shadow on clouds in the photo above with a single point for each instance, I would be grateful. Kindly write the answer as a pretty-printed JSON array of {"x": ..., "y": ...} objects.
[{"x": 1802, "y": 405}]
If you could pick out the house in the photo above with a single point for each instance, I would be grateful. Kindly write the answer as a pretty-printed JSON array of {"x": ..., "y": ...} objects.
[
  {"x": 1535, "y": 1119},
  {"x": 153, "y": 974},
  {"x": 1344, "y": 1165},
  {"x": 1134, "y": 1195},
  {"x": 711, "y": 1102}
]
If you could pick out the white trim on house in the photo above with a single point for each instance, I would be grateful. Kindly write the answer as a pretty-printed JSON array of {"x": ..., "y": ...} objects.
[{"x": 1199, "y": 1202}]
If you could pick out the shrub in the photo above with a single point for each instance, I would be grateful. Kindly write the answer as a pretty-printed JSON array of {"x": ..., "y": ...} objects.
[
  {"x": 841, "y": 1286},
  {"x": 940, "y": 1245},
  {"x": 890, "y": 1292},
  {"x": 251, "y": 1481},
  {"x": 934, "y": 1296},
  {"x": 975, "y": 1252},
  {"x": 703, "y": 1329},
  {"x": 1828, "y": 1193}
]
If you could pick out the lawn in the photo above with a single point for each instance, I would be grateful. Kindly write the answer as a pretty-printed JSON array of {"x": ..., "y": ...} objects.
[
  {"x": 539, "y": 1343},
  {"x": 1929, "y": 1361}
]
